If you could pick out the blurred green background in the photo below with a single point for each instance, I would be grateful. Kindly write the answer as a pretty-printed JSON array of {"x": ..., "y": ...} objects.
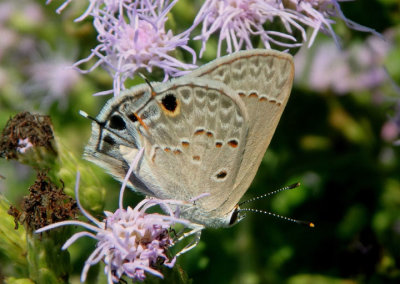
[{"x": 339, "y": 144}]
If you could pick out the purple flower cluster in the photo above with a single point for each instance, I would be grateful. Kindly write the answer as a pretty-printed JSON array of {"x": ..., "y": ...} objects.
[
  {"x": 51, "y": 77},
  {"x": 45, "y": 73},
  {"x": 238, "y": 21},
  {"x": 132, "y": 34},
  {"x": 356, "y": 68},
  {"x": 130, "y": 241}
]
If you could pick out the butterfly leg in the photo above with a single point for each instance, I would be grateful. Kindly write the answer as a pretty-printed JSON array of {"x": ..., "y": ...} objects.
[{"x": 196, "y": 231}]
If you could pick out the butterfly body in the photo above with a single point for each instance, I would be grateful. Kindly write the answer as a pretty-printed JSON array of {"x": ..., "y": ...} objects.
[{"x": 205, "y": 132}]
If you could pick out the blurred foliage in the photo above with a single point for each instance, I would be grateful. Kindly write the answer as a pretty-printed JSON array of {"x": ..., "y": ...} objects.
[{"x": 331, "y": 144}]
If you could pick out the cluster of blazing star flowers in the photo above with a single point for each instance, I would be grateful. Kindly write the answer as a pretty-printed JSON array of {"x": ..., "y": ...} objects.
[
  {"x": 132, "y": 35},
  {"x": 131, "y": 242}
]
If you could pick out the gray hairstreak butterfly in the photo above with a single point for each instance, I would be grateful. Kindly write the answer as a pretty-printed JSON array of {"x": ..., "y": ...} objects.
[{"x": 205, "y": 132}]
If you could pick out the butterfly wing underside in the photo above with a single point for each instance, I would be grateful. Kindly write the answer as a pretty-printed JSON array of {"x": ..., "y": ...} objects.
[
  {"x": 194, "y": 134},
  {"x": 263, "y": 80},
  {"x": 194, "y": 139}
]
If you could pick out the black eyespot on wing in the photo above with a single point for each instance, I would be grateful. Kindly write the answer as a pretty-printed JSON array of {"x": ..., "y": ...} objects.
[
  {"x": 109, "y": 140},
  {"x": 169, "y": 102},
  {"x": 133, "y": 117},
  {"x": 116, "y": 122},
  {"x": 221, "y": 174}
]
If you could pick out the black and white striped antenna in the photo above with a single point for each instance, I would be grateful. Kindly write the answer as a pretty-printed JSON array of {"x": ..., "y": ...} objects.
[
  {"x": 292, "y": 186},
  {"x": 84, "y": 114}
]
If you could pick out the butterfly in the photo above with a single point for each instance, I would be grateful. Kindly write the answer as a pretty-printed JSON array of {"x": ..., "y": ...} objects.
[{"x": 202, "y": 133}]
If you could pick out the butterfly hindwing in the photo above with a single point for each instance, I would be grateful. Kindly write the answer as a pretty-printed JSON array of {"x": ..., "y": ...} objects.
[{"x": 263, "y": 80}]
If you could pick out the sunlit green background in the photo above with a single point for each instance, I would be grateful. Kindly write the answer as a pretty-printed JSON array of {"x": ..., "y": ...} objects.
[{"x": 331, "y": 143}]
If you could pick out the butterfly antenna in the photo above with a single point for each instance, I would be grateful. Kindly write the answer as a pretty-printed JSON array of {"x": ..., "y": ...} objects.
[
  {"x": 306, "y": 223},
  {"x": 153, "y": 93},
  {"x": 84, "y": 114},
  {"x": 292, "y": 186}
]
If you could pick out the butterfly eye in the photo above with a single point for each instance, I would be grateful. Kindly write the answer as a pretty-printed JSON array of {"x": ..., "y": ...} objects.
[
  {"x": 234, "y": 217},
  {"x": 109, "y": 140},
  {"x": 116, "y": 122}
]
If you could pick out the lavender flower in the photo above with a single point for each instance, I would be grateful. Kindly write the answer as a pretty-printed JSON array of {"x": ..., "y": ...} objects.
[
  {"x": 51, "y": 77},
  {"x": 390, "y": 131},
  {"x": 129, "y": 241},
  {"x": 238, "y": 21},
  {"x": 360, "y": 67},
  {"x": 132, "y": 36}
]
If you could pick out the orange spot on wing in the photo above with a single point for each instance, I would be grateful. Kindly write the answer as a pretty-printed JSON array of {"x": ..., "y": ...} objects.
[
  {"x": 196, "y": 158},
  {"x": 199, "y": 132},
  {"x": 218, "y": 144},
  {"x": 253, "y": 95},
  {"x": 185, "y": 144},
  {"x": 233, "y": 143},
  {"x": 177, "y": 152}
]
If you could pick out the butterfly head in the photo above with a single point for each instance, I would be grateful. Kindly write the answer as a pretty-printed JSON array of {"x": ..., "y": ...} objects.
[{"x": 196, "y": 214}]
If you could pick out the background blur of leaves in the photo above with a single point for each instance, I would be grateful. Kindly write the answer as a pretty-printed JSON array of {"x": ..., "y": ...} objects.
[{"x": 339, "y": 146}]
